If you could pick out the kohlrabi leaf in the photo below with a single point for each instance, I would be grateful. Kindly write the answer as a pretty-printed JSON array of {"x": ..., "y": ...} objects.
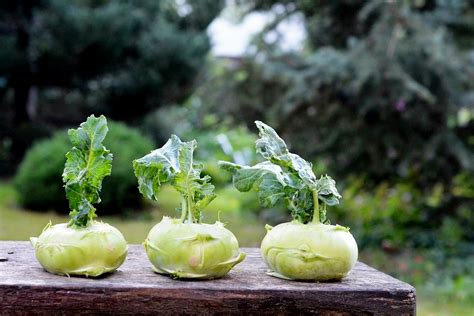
[
  {"x": 270, "y": 145},
  {"x": 266, "y": 178},
  {"x": 284, "y": 176},
  {"x": 87, "y": 163},
  {"x": 159, "y": 166},
  {"x": 174, "y": 163},
  {"x": 327, "y": 191},
  {"x": 274, "y": 149}
]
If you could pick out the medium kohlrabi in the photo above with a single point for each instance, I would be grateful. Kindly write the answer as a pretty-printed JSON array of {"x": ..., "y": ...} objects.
[
  {"x": 184, "y": 247},
  {"x": 83, "y": 246},
  {"x": 305, "y": 248}
]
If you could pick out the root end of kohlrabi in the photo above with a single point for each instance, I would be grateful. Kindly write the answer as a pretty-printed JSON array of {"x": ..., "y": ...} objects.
[
  {"x": 33, "y": 241},
  {"x": 278, "y": 275}
]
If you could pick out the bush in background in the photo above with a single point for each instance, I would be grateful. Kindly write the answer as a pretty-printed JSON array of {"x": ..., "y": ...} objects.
[{"x": 39, "y": 181}]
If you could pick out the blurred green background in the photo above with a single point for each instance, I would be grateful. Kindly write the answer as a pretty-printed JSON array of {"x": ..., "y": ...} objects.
[{"x": 378, "y": 94}]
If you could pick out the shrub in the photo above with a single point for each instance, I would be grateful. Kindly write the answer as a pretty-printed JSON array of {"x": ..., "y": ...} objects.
[
  {"x": 403, "y": 215},
  {"x": 39, "y": 183}
]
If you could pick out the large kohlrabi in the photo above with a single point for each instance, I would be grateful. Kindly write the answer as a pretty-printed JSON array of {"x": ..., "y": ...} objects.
[
  {"x": 83, "y": 246},
  {"x": 184, "y": 247},
  {"x": 306, "y": 248}
]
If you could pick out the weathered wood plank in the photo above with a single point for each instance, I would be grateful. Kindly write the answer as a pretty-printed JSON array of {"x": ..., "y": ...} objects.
[{"x": 25, "y": 288}]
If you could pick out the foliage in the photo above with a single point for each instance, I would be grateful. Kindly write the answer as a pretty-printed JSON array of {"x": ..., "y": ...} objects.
[
  {"x": 11, "y": 148},
  {"x": 38, "y": 179},
  {"x": 174, "y": 163},
  {"x": 87, "y": 163},
  {"x": 285, "y": 176},
  {"x": 218, "y": 140},
  {"x": 401, "y": 215}
]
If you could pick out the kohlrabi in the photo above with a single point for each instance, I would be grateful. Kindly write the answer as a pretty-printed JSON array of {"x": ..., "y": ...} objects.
[
  {"x": 306, "y": 248},
  {"x": 83, "y": 246},
  {"x": 184, "y": 247}
]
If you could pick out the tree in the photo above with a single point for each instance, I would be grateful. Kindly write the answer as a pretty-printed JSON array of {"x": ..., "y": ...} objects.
[{"x": 122, "y": 58}]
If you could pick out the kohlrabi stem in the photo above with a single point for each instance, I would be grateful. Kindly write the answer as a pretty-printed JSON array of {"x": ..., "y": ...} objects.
[
  {"x": 190, "y": 210},
  {"x": 184, "y": 209},
  {"x": 315, "y": 208}
]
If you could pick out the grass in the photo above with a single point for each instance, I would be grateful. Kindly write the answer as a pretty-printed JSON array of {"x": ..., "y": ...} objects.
[
  {"x": 20, "y": 224},
  {"x": 432, "y": 306}
]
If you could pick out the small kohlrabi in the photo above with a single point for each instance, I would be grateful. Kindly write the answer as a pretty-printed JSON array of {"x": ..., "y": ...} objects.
[
  {"x": 83, "y": 246},
  {"x": 184, "y": 247},
  {"x": 305, "y": 248}
]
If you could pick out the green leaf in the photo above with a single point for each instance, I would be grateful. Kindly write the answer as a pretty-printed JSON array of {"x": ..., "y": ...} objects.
[
  {"x": 327, "y": 191},
  {"x": 270, "y": 145},
  {"x": 284, "y": 176},
  {"x": 266, "y": 178},
  {"x": 159, "y": 166},
  {"x": 174, "y": 163},
  {"x": 87, "y": 163},
  {"x": 274, "y": 149}
]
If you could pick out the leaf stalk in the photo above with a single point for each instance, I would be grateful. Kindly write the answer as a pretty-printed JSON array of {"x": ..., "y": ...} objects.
[
  {"x": 183, "y": 209},
  {"x": 316, "y": 219}
]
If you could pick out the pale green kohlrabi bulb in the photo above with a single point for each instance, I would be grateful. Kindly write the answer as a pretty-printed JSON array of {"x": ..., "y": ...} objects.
[
  {"x": 89, "y": 251},
  {"x": 189, "y": 250},
  {"x": 312, "y": 251}
]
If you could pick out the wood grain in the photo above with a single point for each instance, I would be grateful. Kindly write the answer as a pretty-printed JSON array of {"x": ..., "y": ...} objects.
[{"x": 25, "y": 288}]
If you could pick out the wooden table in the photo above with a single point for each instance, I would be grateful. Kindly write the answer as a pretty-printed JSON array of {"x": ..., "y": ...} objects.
[{"x": 25, "y": 288}]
